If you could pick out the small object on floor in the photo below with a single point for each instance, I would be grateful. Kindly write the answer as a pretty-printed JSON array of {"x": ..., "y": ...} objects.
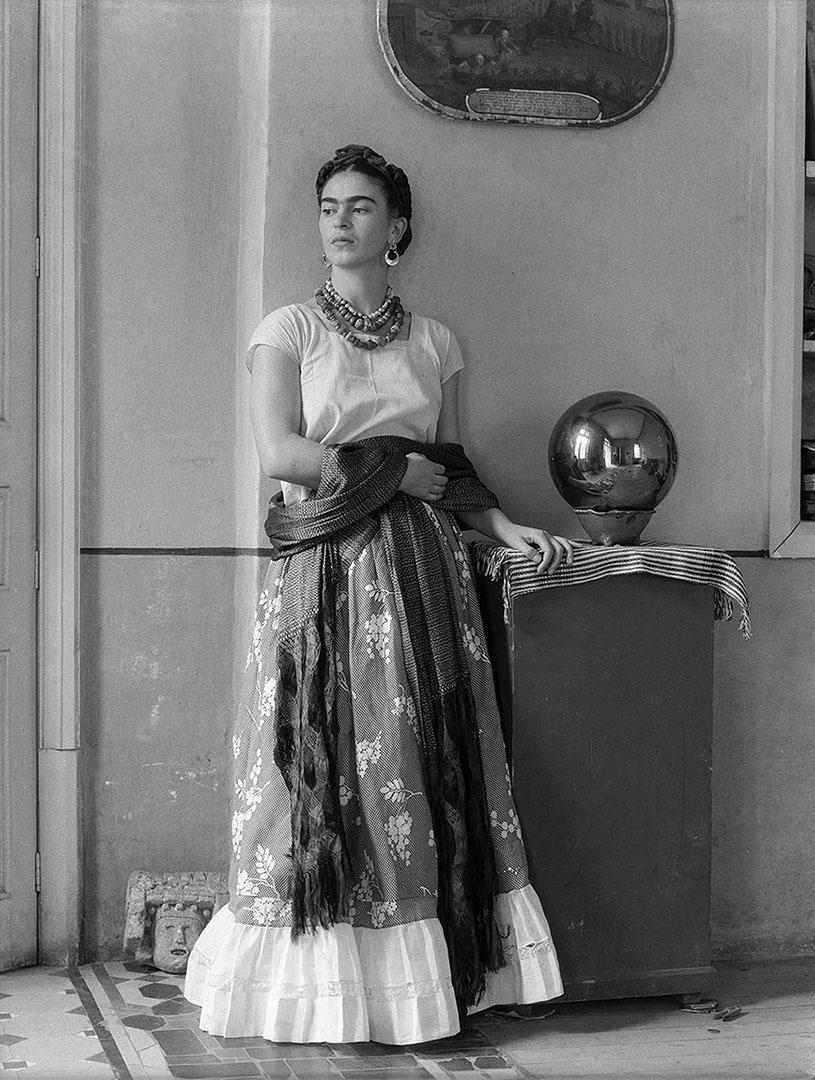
[
  {"x": 519, "y": 1012},
  {"x": 166, "y": 913},
  {"x": 701, "y": 1007},
  {"x": 729, "y": 1013}
]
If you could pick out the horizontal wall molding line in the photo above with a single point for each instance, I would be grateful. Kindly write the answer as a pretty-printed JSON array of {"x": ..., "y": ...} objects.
[{"x": 267, "y": 552}]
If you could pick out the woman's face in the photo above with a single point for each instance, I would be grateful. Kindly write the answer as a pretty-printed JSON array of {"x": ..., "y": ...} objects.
[{"x": 356, "y": 225}]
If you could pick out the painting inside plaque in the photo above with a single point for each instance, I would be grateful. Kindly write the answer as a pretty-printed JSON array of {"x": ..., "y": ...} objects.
[{"x": 557, "y": 61}]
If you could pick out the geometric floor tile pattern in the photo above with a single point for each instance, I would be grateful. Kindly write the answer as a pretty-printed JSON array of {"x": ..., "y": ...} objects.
[{"x": 121, "y": 1021}]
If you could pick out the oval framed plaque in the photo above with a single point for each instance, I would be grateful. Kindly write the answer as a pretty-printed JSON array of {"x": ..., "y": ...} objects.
[{"x": 585, "y": 63}]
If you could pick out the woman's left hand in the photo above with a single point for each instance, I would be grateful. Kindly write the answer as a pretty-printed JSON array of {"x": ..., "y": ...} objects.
[{"x": 544, "y": 549}]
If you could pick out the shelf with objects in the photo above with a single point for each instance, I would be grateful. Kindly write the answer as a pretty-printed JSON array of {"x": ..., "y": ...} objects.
[{"x": 789, "y": 342}]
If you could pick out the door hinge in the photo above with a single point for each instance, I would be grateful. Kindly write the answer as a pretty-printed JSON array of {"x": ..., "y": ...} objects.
[
  {"x": 37, "y": 247},
  {"x": 37, "y": 873},
  {"x": 36, "y": 568}
]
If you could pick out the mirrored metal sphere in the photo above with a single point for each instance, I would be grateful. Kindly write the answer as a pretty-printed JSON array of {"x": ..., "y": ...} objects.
[{"x": 613, "y": 451}]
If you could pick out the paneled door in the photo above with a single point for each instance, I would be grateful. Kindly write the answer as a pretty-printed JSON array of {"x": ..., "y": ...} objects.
[{"x": 18, "y": 470}]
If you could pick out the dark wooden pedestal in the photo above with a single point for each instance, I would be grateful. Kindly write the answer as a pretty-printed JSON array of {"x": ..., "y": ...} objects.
[{"x": 606, "y": 695}]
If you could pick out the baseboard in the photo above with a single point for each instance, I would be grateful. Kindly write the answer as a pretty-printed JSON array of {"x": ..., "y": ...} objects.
[
  {"x": 752, "y": 951},
  {"x": 667, "y": 982}
]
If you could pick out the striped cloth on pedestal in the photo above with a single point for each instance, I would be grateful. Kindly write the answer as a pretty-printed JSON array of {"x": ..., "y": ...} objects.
[{"x": 701, "y": 566}]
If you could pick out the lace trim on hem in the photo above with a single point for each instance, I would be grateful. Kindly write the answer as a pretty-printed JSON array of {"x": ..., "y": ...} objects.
[
  {"x": 529, "y": 952},
  {"x": 353, "y": 987},
  {"x": 334, "y": 988}
]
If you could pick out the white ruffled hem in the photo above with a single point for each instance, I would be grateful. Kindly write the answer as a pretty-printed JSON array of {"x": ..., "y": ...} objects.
[
  {"x": 349, "y": 984},
  {"x": 531, "y": 973}
]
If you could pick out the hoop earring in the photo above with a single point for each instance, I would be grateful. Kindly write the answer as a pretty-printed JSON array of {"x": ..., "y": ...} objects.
[
  {"x": 326, "y": 261},
  {"x": 392, "y": 256}
]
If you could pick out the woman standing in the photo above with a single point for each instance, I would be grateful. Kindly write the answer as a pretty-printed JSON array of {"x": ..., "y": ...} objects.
[{"x": 378, "y": 882}]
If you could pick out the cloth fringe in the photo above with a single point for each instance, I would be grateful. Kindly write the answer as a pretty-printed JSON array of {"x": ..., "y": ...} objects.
[
  {"x": 700, "y": 566},
  {"x": 305, "y": 750},
  {"x": 467, "y": 873}
]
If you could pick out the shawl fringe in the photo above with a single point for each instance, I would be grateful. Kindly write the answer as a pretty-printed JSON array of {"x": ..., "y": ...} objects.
[{"x": 305, "y": 752}]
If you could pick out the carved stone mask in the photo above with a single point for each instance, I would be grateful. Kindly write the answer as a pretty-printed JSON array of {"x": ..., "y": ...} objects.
[{"x": 177, "y": 928}]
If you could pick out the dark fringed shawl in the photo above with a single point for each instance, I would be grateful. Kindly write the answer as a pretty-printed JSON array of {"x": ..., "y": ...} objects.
[{"x": 358, "y": 494}]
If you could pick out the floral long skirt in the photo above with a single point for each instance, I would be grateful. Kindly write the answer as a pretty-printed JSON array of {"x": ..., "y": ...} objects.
[{"x": 384, "y": 974}]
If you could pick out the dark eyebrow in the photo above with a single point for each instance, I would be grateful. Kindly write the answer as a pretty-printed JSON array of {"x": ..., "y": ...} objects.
[{"x": 353, "y": 198}]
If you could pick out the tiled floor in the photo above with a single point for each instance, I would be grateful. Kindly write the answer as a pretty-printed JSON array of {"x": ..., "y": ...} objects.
[{"x": 117, "y": 1021}]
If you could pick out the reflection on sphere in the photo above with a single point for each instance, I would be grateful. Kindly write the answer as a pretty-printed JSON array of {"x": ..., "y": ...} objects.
[{"x": 613, "y": 451}]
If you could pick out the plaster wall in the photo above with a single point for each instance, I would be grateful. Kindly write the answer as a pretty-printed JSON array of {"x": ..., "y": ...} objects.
[
  {"x": 566, "y": 262},
  {"x": 161, "y": 218},
  {"x": 159, "y": 234}
]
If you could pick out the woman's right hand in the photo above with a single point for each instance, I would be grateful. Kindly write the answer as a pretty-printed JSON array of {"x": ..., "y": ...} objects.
[{"x": 423, "y": 479}]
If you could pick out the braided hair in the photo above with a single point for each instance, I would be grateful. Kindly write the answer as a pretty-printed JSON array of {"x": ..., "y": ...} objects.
[{"x": 363, "y": 159}]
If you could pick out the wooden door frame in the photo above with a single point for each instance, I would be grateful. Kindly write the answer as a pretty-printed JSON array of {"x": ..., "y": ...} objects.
[
  {"x": 789, "y": 536},
  {"x": 19, "y": 907},
  {"x": 58, "y": 643}
]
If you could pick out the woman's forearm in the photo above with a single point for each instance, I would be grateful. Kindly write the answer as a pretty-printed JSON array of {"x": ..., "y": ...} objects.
[
  {"x": 542, "y": 548},
  {"x": 293, "y": 460},
  {"x": 491, "y": 522}
]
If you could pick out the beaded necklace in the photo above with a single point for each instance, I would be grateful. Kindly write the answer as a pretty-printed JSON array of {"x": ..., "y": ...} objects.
[
  {"x": 360, "y": 319},
  {"x": 343, "y": 316}
]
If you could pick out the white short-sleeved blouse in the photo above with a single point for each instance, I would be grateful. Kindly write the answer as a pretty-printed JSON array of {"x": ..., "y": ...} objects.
[{"x": 351, "y": 393}]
